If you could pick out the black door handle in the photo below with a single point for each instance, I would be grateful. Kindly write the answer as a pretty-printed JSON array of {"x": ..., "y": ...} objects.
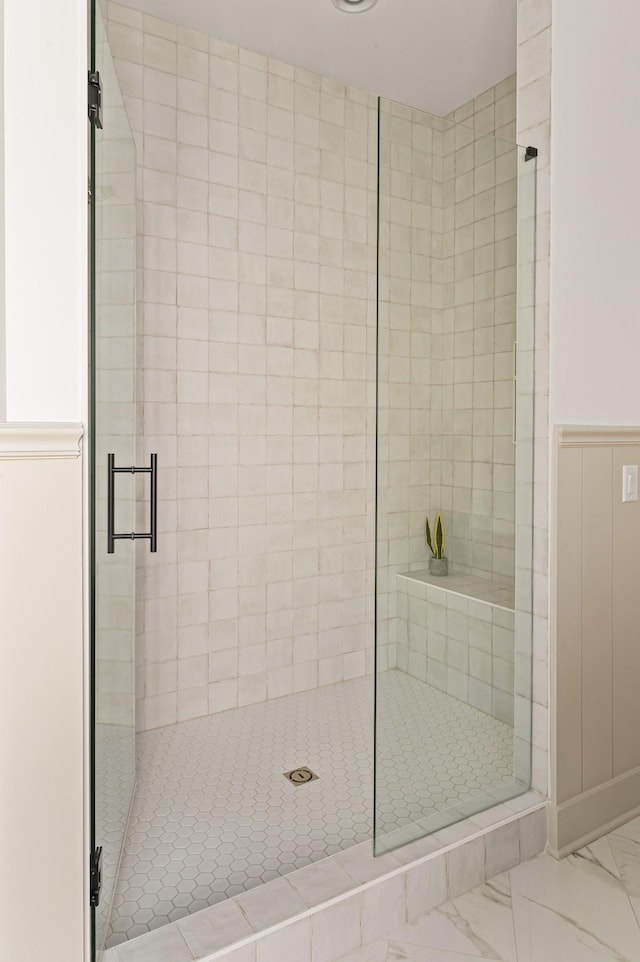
[{"x": 152, "y": 534}]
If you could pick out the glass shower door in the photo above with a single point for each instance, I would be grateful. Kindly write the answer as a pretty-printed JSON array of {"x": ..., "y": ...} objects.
[
  {"x": 455, "y": 440},
  {"x": 113, "y": 431}
]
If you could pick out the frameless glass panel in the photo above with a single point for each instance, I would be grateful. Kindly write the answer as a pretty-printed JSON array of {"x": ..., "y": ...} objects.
[
  {"x": 455, "y": 430},
  {"x": 113, "y": 432}
]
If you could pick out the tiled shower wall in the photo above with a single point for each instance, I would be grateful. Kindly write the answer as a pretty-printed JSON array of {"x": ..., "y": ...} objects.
[
  {"x": 264, "y": 585},
  {"x": 477, "y": 485},
  {"x": 448, "y": 202},
  {"x": 257, "y": 187},
  {"x": 410, "y": 296},
  {"x": 115, "y": 276},
  {"x": 461, "y": 645}
]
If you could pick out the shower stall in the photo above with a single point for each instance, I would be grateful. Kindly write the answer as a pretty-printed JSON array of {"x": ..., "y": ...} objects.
[{"x": 312, "y": 330}]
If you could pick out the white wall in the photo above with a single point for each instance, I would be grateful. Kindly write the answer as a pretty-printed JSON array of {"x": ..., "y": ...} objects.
[
  {"x": 595, "y": 294},
  {"x": 45, "y": 208}
]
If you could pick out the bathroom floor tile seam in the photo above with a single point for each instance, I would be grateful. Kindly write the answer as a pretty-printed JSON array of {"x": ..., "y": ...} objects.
[
  {"x": 583, "y": 908},
  {"x": 214, "y": 817}
]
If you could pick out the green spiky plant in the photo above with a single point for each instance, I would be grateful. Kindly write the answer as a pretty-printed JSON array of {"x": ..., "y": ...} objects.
[{"x": 436, "y": 543}]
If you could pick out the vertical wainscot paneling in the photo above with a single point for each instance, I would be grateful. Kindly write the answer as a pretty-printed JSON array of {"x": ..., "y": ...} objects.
[
  {"x": 626, "y": 619},
  {"x": 569, "y": 624},
  {"x": 596, "y": 764},
  {"x": 597, "y": 553}
]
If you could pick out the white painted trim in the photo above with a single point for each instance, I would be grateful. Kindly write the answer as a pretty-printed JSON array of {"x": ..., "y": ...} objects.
[
  {"x": 39, "y": 441},
  {"x": 587, "y": 435},
  {"x": 598, "y": 811}
]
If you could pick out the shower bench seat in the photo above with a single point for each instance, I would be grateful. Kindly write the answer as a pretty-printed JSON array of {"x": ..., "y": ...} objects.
[
  {"x": 457, "y": 634},
  {"x": 495, "y": 593}
]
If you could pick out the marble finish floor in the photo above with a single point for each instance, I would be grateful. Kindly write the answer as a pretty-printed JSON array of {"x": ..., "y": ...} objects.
[
  {"x": 584, "y": 908},
  {"x": 213, "y": 816}
]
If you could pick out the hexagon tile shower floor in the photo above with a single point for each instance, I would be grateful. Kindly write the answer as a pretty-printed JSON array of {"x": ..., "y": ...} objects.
[{"x": 213, "y": 816}]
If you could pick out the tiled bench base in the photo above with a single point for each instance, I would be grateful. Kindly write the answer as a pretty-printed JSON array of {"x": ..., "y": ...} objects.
[
  {"x": 328, "y": 909},
  {"x": 457, "y": 634}
]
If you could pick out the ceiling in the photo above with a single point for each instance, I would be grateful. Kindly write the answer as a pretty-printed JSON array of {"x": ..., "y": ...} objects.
[{"x": 433, "y": 54}]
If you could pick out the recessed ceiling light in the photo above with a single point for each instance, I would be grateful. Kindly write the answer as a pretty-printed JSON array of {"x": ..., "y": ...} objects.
[{"x": 354, "y": 6}]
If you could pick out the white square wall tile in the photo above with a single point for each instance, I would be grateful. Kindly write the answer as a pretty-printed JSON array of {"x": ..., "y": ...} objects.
[
  {"x": 533, "y": 834},
  {"x": 465, "y": 867},
  {"x": 165, "y": 945},
  {"x": 336, "y": 930},
  {"x": 245, "y": 954},
  {"x": 265, "y": 907},
  {"x": 383, "y": 908},
  {"x": 426, "y": 886},
  {"x": 320, "y": 882},
  {"x": 292, "y": 942},
  {"x": 214, "y": 928},
  {"x": 502, "y": 849}
]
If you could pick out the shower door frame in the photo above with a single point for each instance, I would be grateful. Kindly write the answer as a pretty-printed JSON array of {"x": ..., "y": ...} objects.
[{"x": 98, "y": 422}]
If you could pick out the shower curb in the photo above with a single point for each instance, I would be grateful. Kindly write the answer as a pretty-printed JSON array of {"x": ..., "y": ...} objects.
[{"x": 425, "y": 874}]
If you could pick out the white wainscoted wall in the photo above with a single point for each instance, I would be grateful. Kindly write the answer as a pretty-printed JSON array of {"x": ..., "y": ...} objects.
[
  {"x": 593, "y": 385},
  {"x": 41, "y": 690}
]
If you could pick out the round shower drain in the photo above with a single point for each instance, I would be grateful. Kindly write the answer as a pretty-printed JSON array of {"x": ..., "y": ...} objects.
[
  {"x": 300, "y": 776},
  {"x": 354, "y": 6}
]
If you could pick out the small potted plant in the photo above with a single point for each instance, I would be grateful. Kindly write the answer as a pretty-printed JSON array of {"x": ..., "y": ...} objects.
[{"x": 438, "y": 564}]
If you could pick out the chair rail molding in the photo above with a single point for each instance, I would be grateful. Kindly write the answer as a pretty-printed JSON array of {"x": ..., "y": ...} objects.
[
  {"x": 41, "y": 441},
  {"x": 587, "y": 435}
]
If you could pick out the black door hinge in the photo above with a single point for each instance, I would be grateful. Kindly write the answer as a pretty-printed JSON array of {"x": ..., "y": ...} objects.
[
  {"x": 95, "y": 876},
  {"x": 95, "y": 99}
]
